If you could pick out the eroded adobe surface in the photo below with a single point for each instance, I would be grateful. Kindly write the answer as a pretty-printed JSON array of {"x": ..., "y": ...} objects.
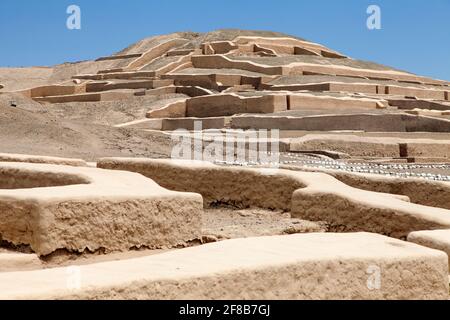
[
  {"x": 6, "y": 157},
  {"x": 362, "y": 147},
  {"x": 56, "y": 207},
  {"x": 70, "y": 213},
  {"x": 311, "y": 196},
  {"x": 293, "y": 267},
  {"x": 228, "y": 79},
  {"x": 436, "y": 239}
]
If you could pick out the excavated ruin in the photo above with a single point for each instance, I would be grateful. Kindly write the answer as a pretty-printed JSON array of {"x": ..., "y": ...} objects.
[{"x": 351, "y": 174}]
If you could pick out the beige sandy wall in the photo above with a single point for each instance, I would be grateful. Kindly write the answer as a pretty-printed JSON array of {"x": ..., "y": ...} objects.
[
  {"x": 96, "y": 86},
  {"x": 214, "y": 184},
  {"x": 334, "y": 86},
  {"x": 351, "y": 147},
  {"x": 419, "y": 93},
  {"x": 214, "y": 80},
  {"x": 282, "y": 48},
  {"x": 116, "y": 75},
  {"x": 89, "y": 97},
  {"x": 363, "y": 88},
  {"x": 373, "y": 147},
  {"x": 430, "y": 113},
  {"x": 202, "y": 80},
  {"x": 51, "y": 207},
  {"x": 420, "y": 191},
  {"x": 303, "y": 68},
  {"x": 358, "y": 122},
  {"x": 222, "y": 62},
  {"x": 358, "y": 87},
  {"x": 286, "y": 41},
  {"x": 242, "y": 140},
  {"x": 305, "y": 101},
  {"x": 219, "y": 47},
  {"x": 155, "y": 52},
  {"x": 104, "y": 86},
  {"x": 230, "y": 104},
  {"x": 189, "y": 123},
  {"x": 282, "y": 267},
  {"x": 182, "y": 52},
  {"x": 309, "y": 196},
  {"x": 128, "y": 75},
  {"x": 291, "y": 49},
  {"x": 9, "y": 157},
  {"x": 53, "y": 90},
  {"x": 175, "y": 109},
  {"x": 194, "y": 91},
  {"x": 158, "y": 91},
  {"x": 436, "y": 239},
  {"x": 171, "y": 66},
  {"x": 409, "y": 104},
  {"x": 429, "y": 149}
]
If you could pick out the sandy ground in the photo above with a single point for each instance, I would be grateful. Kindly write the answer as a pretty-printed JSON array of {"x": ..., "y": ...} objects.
[
  {"x": 30, "y": 129},
  {"x": 22, "y": 78},
  {"x": 228, "y": 223},
  {"x": 109, "y": 113}
]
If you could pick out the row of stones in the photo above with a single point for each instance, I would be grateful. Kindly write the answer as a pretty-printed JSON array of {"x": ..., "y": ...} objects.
[{"x": 374, "y": 168}]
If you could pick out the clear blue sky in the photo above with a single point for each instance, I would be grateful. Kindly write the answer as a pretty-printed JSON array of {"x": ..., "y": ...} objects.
[{"x": 415, "y": 34}]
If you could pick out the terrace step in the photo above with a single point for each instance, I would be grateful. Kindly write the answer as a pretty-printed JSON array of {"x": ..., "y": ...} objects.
[
  {"x": 435, "y": 239},
  {"x": 51, "y": 207},
  {"x": 393, "y": 122},
  {"x": 304, "y": 266},
  {"x": 89, "y": 97}
]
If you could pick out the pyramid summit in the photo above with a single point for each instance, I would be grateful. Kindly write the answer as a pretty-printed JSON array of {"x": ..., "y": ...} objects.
[{"x": 234, "y": 79}]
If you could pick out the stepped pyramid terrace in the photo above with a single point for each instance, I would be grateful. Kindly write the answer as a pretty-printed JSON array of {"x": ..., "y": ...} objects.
[{"x": 232, "y": 164}]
